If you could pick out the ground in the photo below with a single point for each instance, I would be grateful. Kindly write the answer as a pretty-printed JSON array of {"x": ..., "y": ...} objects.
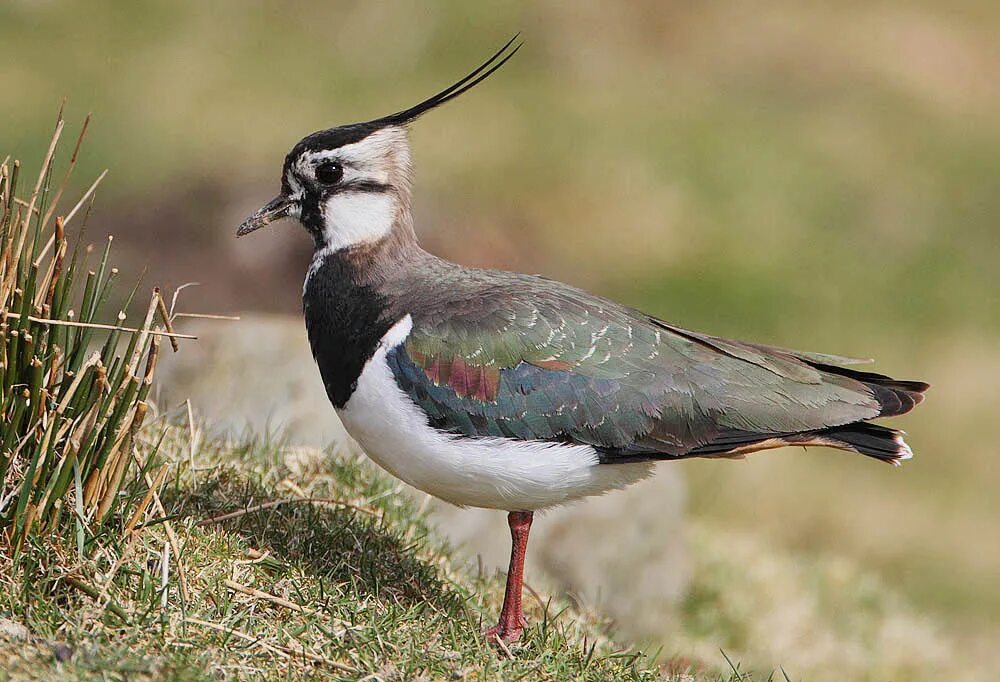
[
  {"x": 313, "y": 587},
  {"x": 296, "y": 562}
]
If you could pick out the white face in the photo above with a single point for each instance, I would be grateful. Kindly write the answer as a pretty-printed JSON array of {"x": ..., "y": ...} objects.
[{"x": 352, "y": 194}]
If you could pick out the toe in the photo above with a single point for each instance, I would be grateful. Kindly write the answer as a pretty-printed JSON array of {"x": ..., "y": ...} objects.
[{"x": 499, "y": 633}]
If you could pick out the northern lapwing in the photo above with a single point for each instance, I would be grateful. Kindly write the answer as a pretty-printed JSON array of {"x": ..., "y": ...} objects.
[{"x": 518, "y": 393}]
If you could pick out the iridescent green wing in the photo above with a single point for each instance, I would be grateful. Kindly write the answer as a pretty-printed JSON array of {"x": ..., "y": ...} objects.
[{"x": 536, "y": 360}]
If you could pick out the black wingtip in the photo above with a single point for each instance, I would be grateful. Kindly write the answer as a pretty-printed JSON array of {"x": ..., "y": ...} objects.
[
  {"x": 895, "y": 396},
  {"x": 471, "y": 80}
]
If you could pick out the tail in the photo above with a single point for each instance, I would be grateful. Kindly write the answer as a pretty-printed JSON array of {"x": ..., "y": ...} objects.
[
  {"x": 895, "y": 397},
  {"x": 884, "y": 444}
]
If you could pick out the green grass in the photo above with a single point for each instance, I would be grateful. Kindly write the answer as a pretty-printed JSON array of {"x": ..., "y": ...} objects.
[
  {"x": 296, "y": 563},
  {"x": 365, "y": 589}
]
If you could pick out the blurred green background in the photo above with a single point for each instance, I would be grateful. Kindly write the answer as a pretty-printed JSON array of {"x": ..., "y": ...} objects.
[{"x": 822, "y": 175}]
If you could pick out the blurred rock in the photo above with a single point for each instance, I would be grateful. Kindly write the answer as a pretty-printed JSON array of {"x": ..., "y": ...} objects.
[
  {"x": 256, "y": 373},
  {"x": 622, "y": 553},
  {"x": 12, "y": 629},
  {"x": 62, "y": 652}
]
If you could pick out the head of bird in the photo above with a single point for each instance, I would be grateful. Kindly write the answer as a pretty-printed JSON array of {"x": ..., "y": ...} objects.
[{"x": 351, "y": 184}]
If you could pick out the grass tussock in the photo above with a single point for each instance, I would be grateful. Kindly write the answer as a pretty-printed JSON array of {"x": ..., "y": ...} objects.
[{"x": 71, "y": 404}]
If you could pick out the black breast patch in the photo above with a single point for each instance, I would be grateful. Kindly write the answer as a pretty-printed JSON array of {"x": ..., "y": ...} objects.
[{"x": 345, "y": 321}]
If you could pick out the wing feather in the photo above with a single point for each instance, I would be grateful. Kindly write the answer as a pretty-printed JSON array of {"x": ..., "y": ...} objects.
[{"x": 528, "y": 358}]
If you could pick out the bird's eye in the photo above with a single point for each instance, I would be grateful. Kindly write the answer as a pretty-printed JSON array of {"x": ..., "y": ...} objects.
[{"x": 329, "y": 172}]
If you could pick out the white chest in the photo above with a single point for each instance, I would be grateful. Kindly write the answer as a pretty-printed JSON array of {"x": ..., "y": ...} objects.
[{"x": 496, "y": 473}]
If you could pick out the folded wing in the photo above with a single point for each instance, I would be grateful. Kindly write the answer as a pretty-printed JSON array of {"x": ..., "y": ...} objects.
[{"x": 560, "y": 365}]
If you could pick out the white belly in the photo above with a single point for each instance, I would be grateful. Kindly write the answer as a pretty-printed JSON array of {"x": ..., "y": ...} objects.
[{"x": 495, "y": 473}]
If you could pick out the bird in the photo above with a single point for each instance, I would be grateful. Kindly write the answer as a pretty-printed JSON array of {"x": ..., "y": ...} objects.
[{"x": 518, "y": 393}]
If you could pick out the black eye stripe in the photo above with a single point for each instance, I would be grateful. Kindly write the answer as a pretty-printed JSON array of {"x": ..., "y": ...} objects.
[{"x": 370, "y": 186}]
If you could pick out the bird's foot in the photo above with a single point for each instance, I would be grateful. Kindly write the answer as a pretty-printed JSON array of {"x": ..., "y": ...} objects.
[{"x": 505, "y": 633}]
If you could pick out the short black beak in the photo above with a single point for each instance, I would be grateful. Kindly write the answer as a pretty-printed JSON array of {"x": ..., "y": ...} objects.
[{"x": 275, "y": 209}]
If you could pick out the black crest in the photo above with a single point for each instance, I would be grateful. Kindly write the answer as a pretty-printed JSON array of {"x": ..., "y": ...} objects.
[
  {"x": 484, "y": 71},
  {"x": 355, "y": 132}
]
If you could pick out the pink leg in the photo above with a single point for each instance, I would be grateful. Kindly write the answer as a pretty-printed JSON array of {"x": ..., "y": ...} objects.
[{"x": 512, "y": 620}]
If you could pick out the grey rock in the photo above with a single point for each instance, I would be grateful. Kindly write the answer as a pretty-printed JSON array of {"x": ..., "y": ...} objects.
[
  {"x": 11, "y": 629},
  {"x": 253, "y": 373},
  {"x": 62, "y": 652}
]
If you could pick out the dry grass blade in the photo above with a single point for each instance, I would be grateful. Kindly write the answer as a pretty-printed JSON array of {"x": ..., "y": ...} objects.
[
  {"x": 326, "y": 501},
  {"x": 24, "y": 231},
  {"x": 168, "y": 528},
  {"x": 283, "y": 651},
  {"x": 266, "y": 596},
  {"x": 69, "y": 170},
  {"x": 147, "y": 499},
  {"x": 165, "y": 317},
  {"x": 207, "y": 316},
  {"x": 95, "y": 325},
  {"x": 86, "y": 195}
]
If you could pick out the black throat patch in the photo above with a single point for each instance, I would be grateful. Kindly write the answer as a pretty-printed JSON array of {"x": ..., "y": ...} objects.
[{"x": 345, "y": 320}]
